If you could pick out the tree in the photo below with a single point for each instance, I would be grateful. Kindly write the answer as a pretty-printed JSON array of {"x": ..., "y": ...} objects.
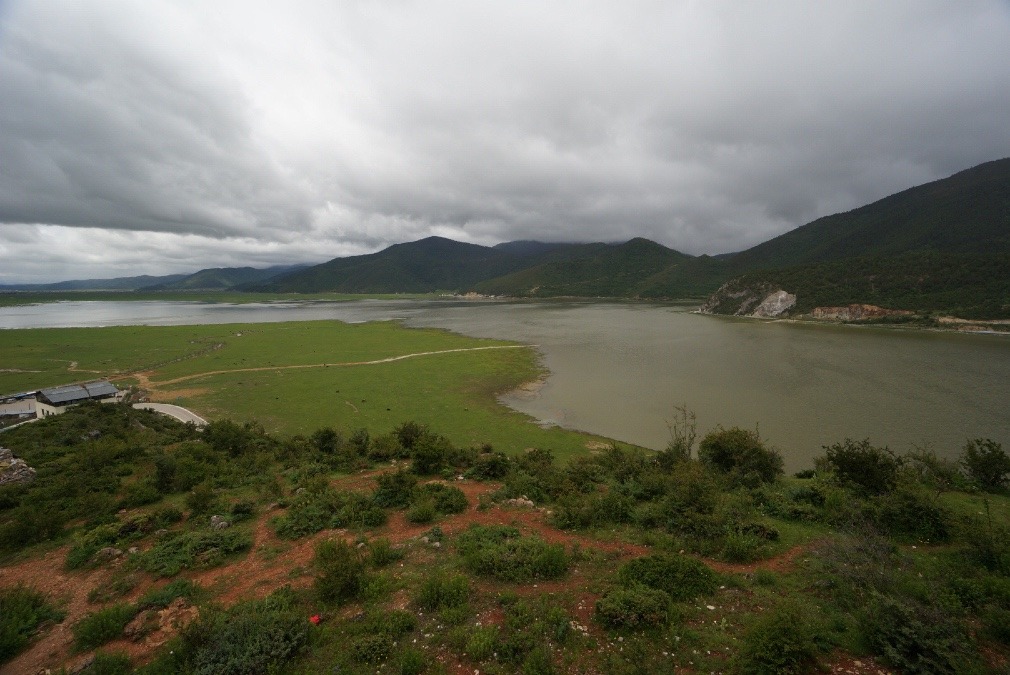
[
  {"x": 986, "y": 463},
  {"x": 742, "y": 454}
]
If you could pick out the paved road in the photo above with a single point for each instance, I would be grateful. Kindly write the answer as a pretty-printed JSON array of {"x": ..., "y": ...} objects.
[{"x": 175, "y": 411}]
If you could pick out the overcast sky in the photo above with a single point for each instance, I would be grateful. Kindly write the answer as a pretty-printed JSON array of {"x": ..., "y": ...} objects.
[{"x": 163, "y": 136}]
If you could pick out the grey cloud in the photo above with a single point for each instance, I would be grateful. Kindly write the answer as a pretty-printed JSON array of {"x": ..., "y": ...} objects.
[{"x": 251, "y": 132}]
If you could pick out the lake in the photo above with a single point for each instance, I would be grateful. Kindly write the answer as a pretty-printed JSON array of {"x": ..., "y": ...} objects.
[{"x": 620, "y": 369}]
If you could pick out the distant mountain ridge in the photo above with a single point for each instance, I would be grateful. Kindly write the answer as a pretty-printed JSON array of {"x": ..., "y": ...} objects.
[{"x": 939, "y": 246}]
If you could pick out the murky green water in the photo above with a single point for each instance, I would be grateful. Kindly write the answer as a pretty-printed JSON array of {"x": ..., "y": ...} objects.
[{"x": 620, "y": 369}]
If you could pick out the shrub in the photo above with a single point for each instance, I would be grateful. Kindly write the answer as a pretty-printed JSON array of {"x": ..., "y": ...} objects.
[
  {"x": 395, "y": 490},
  {"x": 384, "y": 448},
  {"x": 98, "y": 628},
  {"x": 741, "y": 547},
  {"x": 439, "y": 591},
  {"x": 422, "y": 512},
  {"x": 741, "y": 454},
  {"x": 909, "y": 511},
  {"x": 22, "y": 611},
  {"x": 500, "y": 552},
  {"x": 412, "y": 662},
  {"x": 780, "y": 641},
  {"x": 680, "y": 577},
  {"x": 340, "y": 571},
  {"x": 408, "y": 433},
  {"x": 160, "y": 598},
  {"x": 430, "y": 454},
  {"x": 371, "y": 648},
  {"x": 108, "y": 663},
  {"x": 489, "y": 466},
  {"x": 861, "y": 466},
  {"x": 193, "y": 549},
  {"x": 445, "y": 498},
  {"x": 633, "y": 607},
  {"x": 383, "y": 553},
  {"x": 913, "y": 637},
  {"x": 986, "y": 463},
  {"x": 322, "y": 507},
  {"x": 251, "y": 637},
  {"x": 482, "y": 643}
]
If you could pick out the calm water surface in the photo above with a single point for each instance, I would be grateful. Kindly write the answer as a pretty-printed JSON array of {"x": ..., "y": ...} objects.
[{"x": 620, "y": 369}]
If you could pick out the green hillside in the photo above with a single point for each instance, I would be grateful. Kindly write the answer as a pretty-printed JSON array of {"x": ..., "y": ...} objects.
[
  {"x": 432, "y": 264},
  {"x": 224, "y": 278},
  {"x": 967, "y": 286},
  {"x": 967, "y": 213},
  {"x": 637, "y": 268}
]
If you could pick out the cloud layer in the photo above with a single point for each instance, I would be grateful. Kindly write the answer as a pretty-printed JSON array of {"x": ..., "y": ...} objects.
[{"x": 167, "y": 136}]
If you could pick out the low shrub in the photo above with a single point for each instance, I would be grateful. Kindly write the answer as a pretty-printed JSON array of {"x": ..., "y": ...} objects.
[
  {"x": 986, "y": 463},
  {"x": 422, "y": 512},
  {"x": 440, "y": 591},
  {"x": 910, "y": 512},
  {"x": 446, "y": 499},
  {"x": 501, "y": 553},
  {"x": 913, "y": 637},
  {"x": 858, "y": 465},
  {"x": 482, "y": 643},
  {"x": 741, "y": 547},
  {"x": 193, "y": 549},
  {"x": 159, "y": 598},
  {"x": 780, "y": 641},
  {"x": 339, "y": 571},
  {"x": 741, "y": 454},
  {"x": 633, "y": 607},
  {"x": 680, "y": 577},
  {"x": 102, "y": 626},
  {"x": 251, "y": 637},
  {"x": 22, "y": 611},
  {"x": 371, "y": 648},
  {"x": 489, "y": 466},
  {"x": 110, "y": 663},
  {"x": 395, "y": 490},
  {"x": 413, "y": 662},
  {"x": 382, "y": 553},
  {"x": 323, "y": 507}
]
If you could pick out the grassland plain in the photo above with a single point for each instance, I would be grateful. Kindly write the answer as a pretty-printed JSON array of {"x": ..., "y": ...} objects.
[{"x": 297, "y": 377}]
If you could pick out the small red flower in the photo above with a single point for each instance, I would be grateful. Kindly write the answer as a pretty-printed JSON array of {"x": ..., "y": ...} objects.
[{"x": 315, "y": 619}]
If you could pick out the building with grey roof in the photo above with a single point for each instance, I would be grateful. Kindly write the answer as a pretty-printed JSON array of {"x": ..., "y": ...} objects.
[{"x": 55, "y": 400}]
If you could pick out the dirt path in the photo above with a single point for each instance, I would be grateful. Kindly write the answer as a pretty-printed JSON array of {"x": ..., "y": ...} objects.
[{"x": 145, "y": 377}]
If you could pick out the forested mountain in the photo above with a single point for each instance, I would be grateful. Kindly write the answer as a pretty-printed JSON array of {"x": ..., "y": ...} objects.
[
  {"x": 224, "y": 278},
  {"x": 117, "y": 284}
]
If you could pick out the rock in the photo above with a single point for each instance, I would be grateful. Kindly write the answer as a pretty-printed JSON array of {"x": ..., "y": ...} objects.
[
  {"x": 82, "y": 665},
  {"x": 133, "y": 550},
  {"x": 219, "y": 523},
  {"x": 14, "y": 470},
  {"x": 108, "y": 553},
  {"x": 856, "y": 312},
  {"x": 424, "y": 540},
  {"x": 145, "y": 622},
  {"x": 523, "y": 501},
  {"x": 436, "y": 544},
  {"x": 775, "y": 304}
]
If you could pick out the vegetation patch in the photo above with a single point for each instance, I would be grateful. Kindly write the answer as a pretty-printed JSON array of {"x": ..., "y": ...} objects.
[
  {"x": 22, "y": 612},
  {"x": 500, "y": 552}
]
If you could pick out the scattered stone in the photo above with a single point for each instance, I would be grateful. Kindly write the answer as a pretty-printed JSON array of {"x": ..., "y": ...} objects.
[
  {"x": 436, "y": 544},
  {"x": 523, "y": 501},
  {"x": 361, "y": 544},
  {"x": 424, "y": 539},
  {"x": 160, "y": 533},
  {"x": 82, "y": 665},
  {"x": 133, "y": 550}
]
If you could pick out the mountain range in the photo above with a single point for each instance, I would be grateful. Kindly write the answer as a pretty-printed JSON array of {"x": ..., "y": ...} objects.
[{"x": 940, "y": 246}]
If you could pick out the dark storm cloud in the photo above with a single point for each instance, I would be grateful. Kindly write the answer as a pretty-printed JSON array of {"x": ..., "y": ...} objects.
[{"x": 255, "y": 133}]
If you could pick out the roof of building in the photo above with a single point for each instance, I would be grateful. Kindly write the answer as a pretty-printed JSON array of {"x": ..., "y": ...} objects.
[{"x": 70, "y": 393}]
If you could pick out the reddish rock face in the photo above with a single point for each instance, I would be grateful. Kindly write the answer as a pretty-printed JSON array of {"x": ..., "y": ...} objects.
[{"x": 855, "y": 312}]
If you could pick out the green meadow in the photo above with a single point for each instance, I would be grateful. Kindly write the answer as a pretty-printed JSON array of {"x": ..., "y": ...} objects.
[{"x": 294, "y": 378}]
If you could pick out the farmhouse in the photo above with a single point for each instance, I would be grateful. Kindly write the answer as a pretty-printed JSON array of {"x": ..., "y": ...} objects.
[{"x": 56, "y": 400}]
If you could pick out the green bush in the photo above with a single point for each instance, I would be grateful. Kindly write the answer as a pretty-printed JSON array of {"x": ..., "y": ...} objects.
[
  {"x": 382, "y": 553},
  {"x": 395, "y": 490},
  {"x": 680, "y": 577},
  {"x": 251, "y": 637},
  {"x": 858, "y": 465},
  {"x": 741, "y": 454},
  {"x": 320, "y": 507},
  {"x": 412, "y": 662},
  {"x": 633, "y": 607},
  {"x": 159, "y": 598},
  {"x": 110, "y": 663},
  {"x": 482, "y": 643},
  {"x": 22, "y": 611},
  {"x": 489, "y": 466},
  {"x": 422, "y": 512},
  {"x": 446, "y": 499},
  {"x": 102, "y": 626},
  {"x": 909, "y": 511},
  {"x": 439, "y": 591},
  {"x": 188, "y": 550},
  {"x": 371, "y": 648},
  {"x": 501, "y": 553},
  {"x": 340, "y": 571},
  {"x": 741, "y": 547},
  {"x": 914, "y": 637},
  {"x": 430, "y": 454},
  {"x": 986, "y": 463},
  {"x": 780, "y": 641}
]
